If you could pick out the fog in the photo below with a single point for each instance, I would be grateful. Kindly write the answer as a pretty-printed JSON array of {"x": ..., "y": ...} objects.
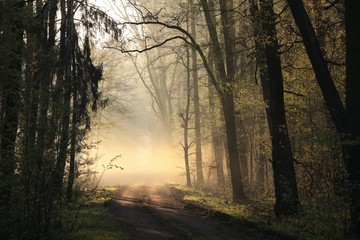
[{"x": 147, "y": 156}]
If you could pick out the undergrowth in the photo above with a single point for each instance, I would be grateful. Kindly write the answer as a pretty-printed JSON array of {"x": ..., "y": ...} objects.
[
  {"x": 92, "y": 221},
  {"x": 307, "y": 225}
]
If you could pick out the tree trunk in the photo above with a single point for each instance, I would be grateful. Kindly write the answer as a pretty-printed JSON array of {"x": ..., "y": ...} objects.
[
  {"x": 353, "y": 109},
  {"x": 9, "y": 94},
  {"x": 199, "y": 167},
  {"x": 217, "y": 137},
  {"x": 317, "y": 59},
  {"x": 186, "y": 118},
  {"x": 346, "y": 121},
  {"x": 66, "y": 55},
  {"x": 264, "y": 80},
  {"x": 260, "y": 173},
  {"x": 243, "y": 150},
  {"x": 287, "y": 199},
  {"x": 73, "y": 144},
  {"x": 217, "y": 140},
  {"x": 227, "y": 102}
]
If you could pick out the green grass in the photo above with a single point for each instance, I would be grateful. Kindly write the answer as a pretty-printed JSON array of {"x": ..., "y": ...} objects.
[
  {"x": 216, "y": 203},
  {"x": 255, "y": 213},
  {"x": 94, "y": 221},
  {"x": 307, "y": 225}
]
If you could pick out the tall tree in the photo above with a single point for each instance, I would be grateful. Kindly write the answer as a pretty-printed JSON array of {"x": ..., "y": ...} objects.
[
  {"x": 198, "y": 154},
  {"x": 316, "y": 56},
  {"x": 345, "y": 120},
  {"x": 40, "y": 105},
  {"x": 185, "y": 117},
  {"x": 65, "y": 78},
  {"x": 216, "y": 135},
  {"x": 223, "y": 84},
  {"x": 12, "y": 26},
  {"x": 353, "y": 109},
  {"x": 256, "y": 20},
  {"x": 286, "y": 192},
  {"x": 227, "y": 78}
]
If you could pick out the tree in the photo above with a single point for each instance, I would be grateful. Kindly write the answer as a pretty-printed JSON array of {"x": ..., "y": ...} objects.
[
  {"x": 287, "y": 199},
  {"x": 48, "y": 86},
  {"x": 12, "y": 45},
  {"x": 65, "y": 79},
  {"x": 345, "y": 120},
  {"x": 216, "y": 127},
  {"x": 185, "y": 116},
  {"x": 224, "y": 89},
  {"x": 199, "y": 167},
  {"x": 223, "y": 86},
  {"x": 353, "y": 110},
  {"x": 158, "y": 70}
]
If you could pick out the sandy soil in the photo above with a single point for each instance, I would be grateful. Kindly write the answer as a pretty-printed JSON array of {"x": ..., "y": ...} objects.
[{"x": 155, "y": 213}]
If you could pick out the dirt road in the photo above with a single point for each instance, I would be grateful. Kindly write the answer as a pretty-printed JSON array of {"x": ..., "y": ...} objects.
[{"x": 153, "y": 213}]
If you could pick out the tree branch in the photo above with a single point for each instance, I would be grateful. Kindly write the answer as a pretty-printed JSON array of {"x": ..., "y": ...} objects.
[
  {"x": 331, "y": 4},
  {"x": 294, "y": 93},
  {"x": 146, "y": 48},
  {"x": 188, "y": 39}
]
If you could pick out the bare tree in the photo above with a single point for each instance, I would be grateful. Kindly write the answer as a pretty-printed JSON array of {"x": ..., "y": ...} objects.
[{"x": 199, "y": 167}]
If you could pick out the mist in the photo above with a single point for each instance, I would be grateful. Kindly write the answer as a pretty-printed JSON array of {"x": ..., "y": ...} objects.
[{"x": 147, "y": 156}]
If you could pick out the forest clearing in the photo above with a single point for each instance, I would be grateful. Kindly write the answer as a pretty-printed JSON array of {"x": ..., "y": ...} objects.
[{"x": 181, "y": 119}]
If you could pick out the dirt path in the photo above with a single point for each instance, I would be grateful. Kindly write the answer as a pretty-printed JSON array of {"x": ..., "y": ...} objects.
[{"x": 153, "y": 213}]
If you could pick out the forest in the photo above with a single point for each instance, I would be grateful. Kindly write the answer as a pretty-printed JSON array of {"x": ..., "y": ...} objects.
[{"x": 259, "y": 97}]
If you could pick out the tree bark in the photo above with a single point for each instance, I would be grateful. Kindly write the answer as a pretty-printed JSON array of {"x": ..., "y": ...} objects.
[
  {"x": 217, "y": 140},
  {"x": 264, "y": 81},
  {"x": 317, "y": 59},
  {"x": 346, "y": 121},
  {"x": 260, "y": 173},
  {"x": 227, "y": 102},
  {"x": 286, "y": 192},
  {"x": 73, "y": 144},
  {"x": 217, "y": 137},
  {"x": 10, "y": 73},
  {"x": 199, "y": 164},
  {"x": 66, "y": 55},
  {"x": 353, "y": 109},
  {"x": 186, "y": 119},
  {"x": 243, "y": 150}
]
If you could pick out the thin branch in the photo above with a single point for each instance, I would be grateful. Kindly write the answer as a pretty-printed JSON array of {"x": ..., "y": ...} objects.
[
  {"x": 146, "y": 48},
  {"x": 93, "y": 191},
  {"x": 190, "y": 42},
  {"x": 294, "y": 93},
  {"x": 335, "y": 63},
  {"x": 332, "y": 4}
]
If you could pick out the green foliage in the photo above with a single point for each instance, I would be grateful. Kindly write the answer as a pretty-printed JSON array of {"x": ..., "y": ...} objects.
[
  {"x": 94, "y": 223},
  {"x": 322, "y": 179},
  {"x": 325, "y": 218},
  {"x": 87, "y": 218},
  {"x": 324, "y": 222},
  {"x": 48, "y": 87},
  {"x": 211, "y": 202}
]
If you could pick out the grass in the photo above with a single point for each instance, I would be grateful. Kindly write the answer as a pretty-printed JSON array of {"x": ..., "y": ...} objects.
[
  {"x": 94, "y": 221},
  {"x": 307, "y": 225},
  {"x": 251, "y": 213},
  {"x": 219, "y": 204}
]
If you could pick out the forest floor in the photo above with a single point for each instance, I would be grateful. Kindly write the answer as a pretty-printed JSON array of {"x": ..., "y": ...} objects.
[{"x": 159, "y": 212}]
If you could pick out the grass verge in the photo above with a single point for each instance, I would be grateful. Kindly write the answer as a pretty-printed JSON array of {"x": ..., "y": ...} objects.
[
  {"x": 258, "y": 215},
  {"x": 94, "y": 221},
  {"x": 252, "y": 216}
]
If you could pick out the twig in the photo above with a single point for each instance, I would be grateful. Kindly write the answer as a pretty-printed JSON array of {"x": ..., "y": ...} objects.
[{"x": 92, "y": 191}]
